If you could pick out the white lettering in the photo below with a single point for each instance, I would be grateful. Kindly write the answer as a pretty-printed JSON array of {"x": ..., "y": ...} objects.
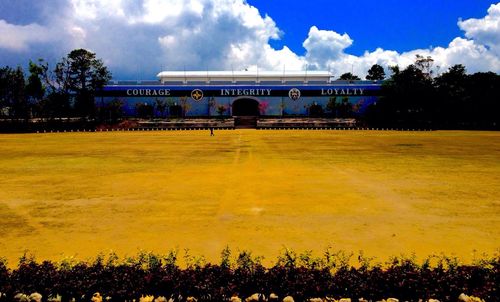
[{"x": 147, "y": 92}]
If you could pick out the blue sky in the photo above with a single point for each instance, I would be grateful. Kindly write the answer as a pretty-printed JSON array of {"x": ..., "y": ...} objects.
[
  {"x": 400, "y": 25},
  {"x": 138, "y": 38}
]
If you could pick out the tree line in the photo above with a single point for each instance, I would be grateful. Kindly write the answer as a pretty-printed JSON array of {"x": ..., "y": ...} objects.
[
  {"x": 414, "y": 97},
  {"x": 67, "y": 90},
  {"x": 410, "y": 97}
]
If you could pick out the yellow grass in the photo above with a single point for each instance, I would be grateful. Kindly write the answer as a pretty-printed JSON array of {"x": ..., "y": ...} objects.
[{"x": 385, "y": 193}]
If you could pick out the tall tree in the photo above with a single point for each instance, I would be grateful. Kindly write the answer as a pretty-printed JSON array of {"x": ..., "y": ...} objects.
[
  {"x": 408, "y": 98},
  {"x": 452, "y": 97},
  {"x": 12, "y": 93},
  {"x": 80, "y": 74},
  {"x": 55, "y": 102},
  {"x": 5, "y": 78},
  {"x": 376, "y": 73},
  {"x": 482, "y": 106},
  {"x": 424, "y": 64},
  {"x": 395, "y": 70},
  {"x": 35, "y": 90},
  {"x": 349, "y": 77}
]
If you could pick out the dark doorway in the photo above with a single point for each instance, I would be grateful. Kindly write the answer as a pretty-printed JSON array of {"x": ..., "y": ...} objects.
[{"x": 246, "y": 107}]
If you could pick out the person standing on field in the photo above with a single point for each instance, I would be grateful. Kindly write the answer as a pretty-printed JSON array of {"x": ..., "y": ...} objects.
[{"x": 211, "y": 131}]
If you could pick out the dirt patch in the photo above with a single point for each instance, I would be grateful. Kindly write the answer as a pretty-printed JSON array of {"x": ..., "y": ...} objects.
[{"x": 12, "y": 223}]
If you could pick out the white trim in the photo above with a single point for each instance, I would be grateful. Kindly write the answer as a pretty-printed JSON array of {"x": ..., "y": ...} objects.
[{"x": 244, "y": 76}]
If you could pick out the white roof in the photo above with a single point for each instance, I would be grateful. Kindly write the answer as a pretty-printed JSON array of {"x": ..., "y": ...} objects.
[{"x": 236, "y": 76}]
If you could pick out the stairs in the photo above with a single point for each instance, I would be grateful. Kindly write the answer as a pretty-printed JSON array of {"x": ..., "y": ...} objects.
[{"x": 245, "y": 122}]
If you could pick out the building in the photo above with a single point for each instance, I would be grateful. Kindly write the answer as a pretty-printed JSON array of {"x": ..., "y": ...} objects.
[{"x": 247, "y": 93}]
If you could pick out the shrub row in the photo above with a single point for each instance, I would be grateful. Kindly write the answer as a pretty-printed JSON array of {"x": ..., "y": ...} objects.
[{"x": 301, "y": 276}]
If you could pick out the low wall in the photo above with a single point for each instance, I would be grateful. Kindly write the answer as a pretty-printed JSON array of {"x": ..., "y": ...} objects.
[
  {"x": 188, "y": 124},
  {"x": 305, "y": 123}
]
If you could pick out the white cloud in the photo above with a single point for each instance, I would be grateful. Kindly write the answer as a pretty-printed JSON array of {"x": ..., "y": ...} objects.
[
  {"x": 485, "y": 31},
  {"x": 479, "y": 51},
  {"x": 137, "y": 38},
  {"x": 19, "y": 37},
  {"x": 324, "y": 45}
]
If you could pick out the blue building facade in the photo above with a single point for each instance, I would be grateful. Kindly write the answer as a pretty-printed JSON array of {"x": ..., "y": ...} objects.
[{"x": 244, "y": 99}]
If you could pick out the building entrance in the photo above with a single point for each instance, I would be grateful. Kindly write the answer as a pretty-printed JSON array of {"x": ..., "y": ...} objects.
[{"x": 245, "y": 107}]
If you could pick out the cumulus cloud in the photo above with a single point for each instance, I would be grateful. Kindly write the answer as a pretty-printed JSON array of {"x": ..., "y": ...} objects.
[
  {"x": 324, "y": 45},
  {"x": 479, "y": 51},
  {"x": 138, "y": 38},
  {"x": 485, "y": 31},
  {"x": 19, "y": 37}
]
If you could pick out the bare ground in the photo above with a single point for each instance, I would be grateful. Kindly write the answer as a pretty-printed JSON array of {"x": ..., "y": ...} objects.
[{"x": 386, "y": 193}]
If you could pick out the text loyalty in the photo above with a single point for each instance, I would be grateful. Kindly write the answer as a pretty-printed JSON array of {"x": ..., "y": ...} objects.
[{"x": 337, "y": 91}]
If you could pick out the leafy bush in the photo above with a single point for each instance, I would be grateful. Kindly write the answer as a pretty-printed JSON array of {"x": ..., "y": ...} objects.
[{"x": 300, "y": 275}]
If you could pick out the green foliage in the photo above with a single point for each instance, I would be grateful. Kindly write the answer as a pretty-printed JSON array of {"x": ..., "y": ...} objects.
[
  {"x": 413, "y": 98},
  {"x": 303, "y": 276},
  {"x": 225, "y": 257},
  {"x": 35, "y": 90},
  {"x": 288, "y": 258},
  {"x": 247, "y": 262},
  {"x": 424, "y": 64},
  {"x": 349, "y": 77},
  {"x": 376, "y": 73},
  {"x": 309, "y": 261},
  {"x": 81, "y": 73},
  {"x": 192, "y": 261},
  {"x": 337, "y": 260},
  {"x": 407, "y": 98},
  {"x": 13, "y": 102},
  {"x": 171, "y": 258},
  {"x": 67, "y": 90},
  {"x": 395, "y": 70}
]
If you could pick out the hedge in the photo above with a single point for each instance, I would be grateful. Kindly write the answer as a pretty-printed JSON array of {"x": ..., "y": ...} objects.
[{"x": 299, "y": 275}]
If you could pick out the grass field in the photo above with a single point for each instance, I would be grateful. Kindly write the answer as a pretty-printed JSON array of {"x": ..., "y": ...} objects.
[{"x": 385, "y": 193}]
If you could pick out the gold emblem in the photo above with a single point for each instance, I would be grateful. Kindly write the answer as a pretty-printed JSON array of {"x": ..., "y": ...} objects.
[
  {"x": 294, "y": 94},
  {"x": 197, "y": 94}
]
